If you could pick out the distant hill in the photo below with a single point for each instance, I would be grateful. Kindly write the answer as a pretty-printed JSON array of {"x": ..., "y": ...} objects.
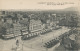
[
  {"x": 66, "y": 10},
  {"x": 71, "y": 9}
]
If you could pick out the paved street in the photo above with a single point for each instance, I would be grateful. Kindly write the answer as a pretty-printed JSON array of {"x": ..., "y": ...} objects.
[
  {"x": 38, "y": 42},
  {"x": 35, "y": 44}
]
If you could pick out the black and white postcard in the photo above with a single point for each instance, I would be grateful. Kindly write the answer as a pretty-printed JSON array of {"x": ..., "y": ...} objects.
[{"x": 39, "y": 25}]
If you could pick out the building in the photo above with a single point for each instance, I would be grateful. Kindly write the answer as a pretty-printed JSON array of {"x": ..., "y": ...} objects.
[
  {"x": 17, "y": 28},
  {"x": 35, "y": 25},
  {"x": 24, "y": 25},
  {"x": 9, "y": 28}
]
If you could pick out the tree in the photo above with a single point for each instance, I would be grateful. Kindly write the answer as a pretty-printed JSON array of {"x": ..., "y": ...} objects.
[
  {"x": 15, "y": 17},
  {"x": 2, "y": 31},
  {"x": 44, "y": 18},
  {"x": 27, "y": 22},
  {"x": 25, "y": 16}
]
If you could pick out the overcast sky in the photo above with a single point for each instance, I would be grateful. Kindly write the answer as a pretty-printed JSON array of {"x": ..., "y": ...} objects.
[{"x": 37, "y": 4}]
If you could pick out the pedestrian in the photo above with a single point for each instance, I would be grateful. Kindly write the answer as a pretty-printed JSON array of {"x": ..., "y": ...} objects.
[{"x": 17, "y": 43}]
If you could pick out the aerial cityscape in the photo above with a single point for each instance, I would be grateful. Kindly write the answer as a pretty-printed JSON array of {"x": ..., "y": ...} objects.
[{"x": 43, "y": 30}]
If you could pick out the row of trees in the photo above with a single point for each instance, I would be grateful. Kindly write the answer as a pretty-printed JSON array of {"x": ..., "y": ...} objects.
[{"x": 72, "y": 22}]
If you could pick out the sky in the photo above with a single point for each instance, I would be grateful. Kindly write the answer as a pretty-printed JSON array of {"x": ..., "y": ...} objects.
[{"x": 37, "y": 4}]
